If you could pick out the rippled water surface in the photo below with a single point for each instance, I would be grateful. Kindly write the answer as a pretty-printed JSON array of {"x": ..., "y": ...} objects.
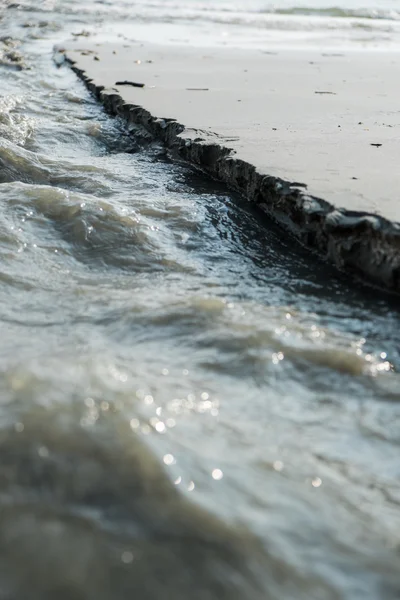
[{"x": 191, "y": 405}]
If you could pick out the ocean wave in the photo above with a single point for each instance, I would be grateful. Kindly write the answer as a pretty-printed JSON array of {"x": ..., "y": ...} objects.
[
  {"x": 108, "y": 515},
  {"x": 285, "y": 20},
  {"x": 337, "y": 12},
  {"x": 193, "y": 9},
  {"x": 14, "y": 126}
]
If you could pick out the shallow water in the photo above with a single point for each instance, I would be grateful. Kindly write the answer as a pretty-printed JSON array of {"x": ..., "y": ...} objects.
[
  {"x": 340, "y": 25},
  {"x": 191, "y": 404}
]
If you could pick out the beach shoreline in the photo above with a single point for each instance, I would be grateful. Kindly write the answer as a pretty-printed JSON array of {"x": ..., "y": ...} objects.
[
  {"x": 309, "y": 138},
  {"x": 193, "y": 404}
]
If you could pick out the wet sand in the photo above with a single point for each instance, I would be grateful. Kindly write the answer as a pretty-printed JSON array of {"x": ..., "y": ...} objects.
[{"x": 311, "y": 138}]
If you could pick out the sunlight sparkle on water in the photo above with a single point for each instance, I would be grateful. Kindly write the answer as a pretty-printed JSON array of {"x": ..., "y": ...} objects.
[
  {"x": 127, "y": 557},
  {"x": 160, "y": 427},
  {"x": 278, "y": 465},
  {"x": 169, "y": 459},
  {"x": 134, "y": 423}
]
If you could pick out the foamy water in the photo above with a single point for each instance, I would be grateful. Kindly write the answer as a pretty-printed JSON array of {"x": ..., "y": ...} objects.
[
  {"x": 192, "y": 406},
  {"x": 257, "y": 23}
]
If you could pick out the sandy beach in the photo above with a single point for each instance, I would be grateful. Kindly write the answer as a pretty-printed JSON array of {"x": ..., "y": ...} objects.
[{"x": 310, "y": 137}]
